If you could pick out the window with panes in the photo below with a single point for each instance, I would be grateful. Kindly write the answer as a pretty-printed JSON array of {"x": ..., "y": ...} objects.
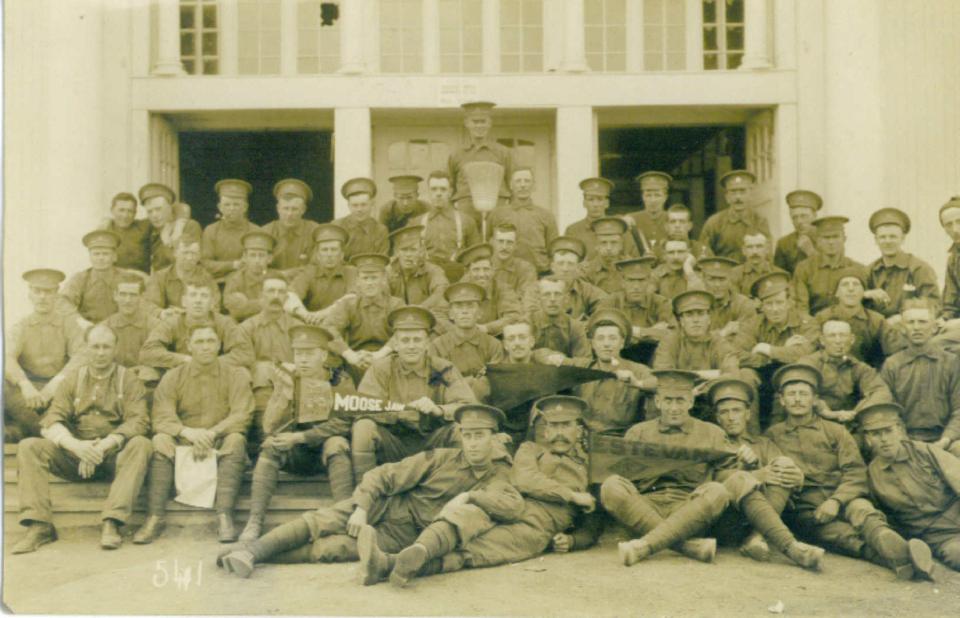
[
  {"x": 722, "y": 34},
  {"x": 318, "y": 44},
  {"x": 461, "y": 36},
  {"x": 258, "y": 37},
  {"x": 521, "y": 36},
  {"x": 199, "y": 39},
  {"x": 605, "y": 34},
  {"x": 401, "y": 36},
  {"x": 664, "y": 35}
]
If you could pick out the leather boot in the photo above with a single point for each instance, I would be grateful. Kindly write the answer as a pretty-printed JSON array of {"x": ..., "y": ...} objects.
[
  {"x": 684, "y": 523},
  {"x": 756, "y": 547},
  {"x": 38, "y": 533},
  {"x": 109, "y": 535},
  {"x": 766, "y": 521},
  {"x": 375, "y": 564},
  {"x": 921, "y": 558},
  {"x": 150, "y": 530},
  {"x": 266, "y": 474},
  {"x": 226, "y": 530},
  {"x": 239, "y": 562},
  {"x": 701, "y": 549},
  {"x": 809, "y": 557},
  {"x": 632, "y": 552},
  {"x": 408, "y": 565}
]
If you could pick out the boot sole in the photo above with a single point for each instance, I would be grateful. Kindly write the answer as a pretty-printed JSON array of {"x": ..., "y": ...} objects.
[
  {"x": 921, "y": 557},
  {"x": 41, "y": 542},
  {"x": 708, "y": 555},
  {"x": 366, "y": 542},
  {"x": 756, "y": 552},
  {"x": 236, "y": 566},
  {"x": 140, "y": 540},
  {"x": 402, "y": 572}
]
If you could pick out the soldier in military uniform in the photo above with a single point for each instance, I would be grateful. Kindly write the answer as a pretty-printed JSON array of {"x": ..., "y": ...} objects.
[
  {"x": 132, "y": 324},
  {"x": 832, "y": 506},
  {"x": 596, "y": 200},
  {"x": 500, "y": 302},
  {"x": 651, "y": 222},
  {"x": 134, "y": 234},
  {"x": 410, "y": 276},
  {"x": 168, "y": 223},
  {"x": 676, "y": 273},
  {"x": 649, "y": 313},
  {"x": 731, "y": 309},
  {"x": 896, "y": 274},
  {"x": 446, "y": 230},
  {"x": 510, "y": 270},
  {"x": 301, "y": 437},
  {"x": 918, "y": 484},
  {"x": 222, "y": 245},
  {"x": 359, "y": 321},
  {"x": 430, "y": 388},
  {"x": 326, "y": 279},
  {"x": 294, "y": 234},
  {"x": 398, "y": 504},
  {"x": 469, "y": 348},
  {"x": 478, "y": 120},
  {"x": 756, "y": 263},
  {"x": 679, "y": 224},
  {"x": 601, "y": 269},
  {"x": 205, "y": 403},
  {"x": 168, "y": 342},
  {"x": 241, "y": 293},
  {"x": 366, "y": 234},
  {"x": 799, "y": 244},
  {"x": 535, "y": 226},
  {"x": 672, "y": 508},
  {"x": 780, "y": 333},
  {"x": 90, "y": 292},
  {"x": 566, "y": 256},
  {"x": 553, "y": 481},
  {"x": 815, "y": 278},
  {"x": 723, "y": 231},
  {"x": 94, "y": 429},
  {"x": 556, "y": 329},
  {"x": 40, "y": 350},
  {"x": 406, "y": 204},
  {"x": 874, "y": 337},
  {"x": 165, "y": 288},
  {"x": 950, "y": 221}
]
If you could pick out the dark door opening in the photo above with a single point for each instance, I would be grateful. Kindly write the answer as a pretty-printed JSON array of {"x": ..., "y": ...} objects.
[
  {"x": 692, "y": 155},
  {"x": 260, "y": 158}
]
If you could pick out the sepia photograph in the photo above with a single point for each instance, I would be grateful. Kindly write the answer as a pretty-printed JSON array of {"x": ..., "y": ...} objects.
[{"x": 481, "y": 307}]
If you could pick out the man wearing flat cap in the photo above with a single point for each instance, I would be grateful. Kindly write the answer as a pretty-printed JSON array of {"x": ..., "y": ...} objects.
[
  {"x": 815, "y": 278},
  {"x": 40, "y": 349},
  {"x": 294, "y": 234},
  {"x": 918, "y": 484},
  {"x": 406, "y": 204},
  {"x": 651, "y": 222},
  {"x": 358, "y": 321},
  {"x": 300, "y": 435},
  {"x": 732, "y": 400},
  {"x": 601, "y": 269},
  {"x": 134, "y": 234},
  {"x": 896, "y": 274},
  {"x": 446, "y": 230},
  {"x": 241, "y": 293},
  {"x": 756, "y": 261},
  {"x": 90, "y": 292},
  {"x": 553, "y": 481},
  {"x": 672, "y": 508},
  {"x": 832, "y": 507},
  {"x": 731, "y": 309},
  {"x": 500, "y": 302},
  {"x": 421, "y": 501},
  {"x": 468, "y": 347},
  {"x": 326, "y": 279},
  {"x": 221, "y": 245},
  {"x": 596, "y": 200},
  {"x": 566, "y": 259},
  {"x": 650, "y": 314},
  {"x": 367, "y": 235},
  {"x": 410, "y": 276},
  {"x": 780, "y": 333},
  {"x": 478, "y": 121},
  {"x": 723, "y": 231},
  {"x": 925, "y": 379},
  {"x": 799, "y": 244},
  {"x": 535, "y": 225},
  {"x": 169, "y": 221},
  {"x": 950, "y": 221},
  {"x": 431, "y": 389}
]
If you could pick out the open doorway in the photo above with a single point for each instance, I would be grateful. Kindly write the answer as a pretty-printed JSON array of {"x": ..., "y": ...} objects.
[
  {"x": 261, "y": 158},
  {"x": 696, "y": 156}
]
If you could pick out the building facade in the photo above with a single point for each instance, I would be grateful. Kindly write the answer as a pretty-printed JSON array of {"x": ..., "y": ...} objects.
[{"x": 855, "y": 100}]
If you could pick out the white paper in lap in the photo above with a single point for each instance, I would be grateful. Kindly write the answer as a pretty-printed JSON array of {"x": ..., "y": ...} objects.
[{"x": 196, "y": 481}]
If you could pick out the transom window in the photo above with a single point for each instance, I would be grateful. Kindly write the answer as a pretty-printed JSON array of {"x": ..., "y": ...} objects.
[
  {"x": 461, "y": 36},
  {"x": 199, "y": 44},
  {"x": 722, "y": 34},
  {"x": 259, "y": 37},
  {"x": 664, "y": 35},
  {"x": 401, "y": 36},
  {"x": 605, "y": 30},
  {"x": 318, "y": 45},
  {"x": 521, "y": 36}
]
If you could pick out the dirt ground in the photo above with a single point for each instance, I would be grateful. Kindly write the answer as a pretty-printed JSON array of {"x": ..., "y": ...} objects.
[{"x": 74, "y": 575}]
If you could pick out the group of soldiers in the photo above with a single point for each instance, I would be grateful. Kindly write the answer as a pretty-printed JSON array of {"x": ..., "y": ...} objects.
[{"x": 783, "y": 365}]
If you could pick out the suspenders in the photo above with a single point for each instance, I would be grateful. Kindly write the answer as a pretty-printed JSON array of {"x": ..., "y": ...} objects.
[{"x": 458, "y": 221}]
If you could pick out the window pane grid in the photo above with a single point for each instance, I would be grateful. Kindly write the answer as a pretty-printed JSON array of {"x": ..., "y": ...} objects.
[
  {"x": 723, "y": 34},
  {"x": 401, "y": 36},
  {"x": 318, "y": 45},
  {"x": 259, "y": 37},
  {"x": 199, "y": 38},
  {"x": 664, "y": 35},
  {"x": 461, "y": 36},
  {"x": 605, "y": 34},
  {"x": 521, "y": 36}
]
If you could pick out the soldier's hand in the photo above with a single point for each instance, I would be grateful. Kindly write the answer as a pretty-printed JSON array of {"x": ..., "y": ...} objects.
[
  {"x": 763, "y": 348},
  {"x": 409, "y": 415},
  {"x": 796, "y": 340},
  {"x": 460, "y": 499},
  {"x": 86, "y": 470},
  {"x": 358, "y": 519},
  {"x": 827, "y": 511},
  {"x": 877, "y": 295},
  {"x": 845, "y": 416},
  {"x": 624, "y": 375},
  {"x": 31, "y": 395},
  {"x": 313, "y": 318},
  {"x": 201, "y": 451},
  {"x": 352, "y": 357},
  {"x": 746, "y": 455},
  {"x": 561, "y": 543},
  {"x": 287, "y": 440},
  {"x": 584, "y": 500},
  {"x": 555, "y": 359},
  {"x": 786, "y": 476},
  {"x": 86, "y": 451},
  {"x": 425, "y": 405},
  {"x": 805, "y": 244},
  {"x": 943, "y": 443},
  {"x": 731, "y": 329}
]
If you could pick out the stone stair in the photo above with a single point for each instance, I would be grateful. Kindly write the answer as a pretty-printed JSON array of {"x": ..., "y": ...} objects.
[{"x": 79, "y": 504}]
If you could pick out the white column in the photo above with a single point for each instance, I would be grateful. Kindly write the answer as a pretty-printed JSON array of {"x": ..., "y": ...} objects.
[
  {"x": 576, "y": 160},
  {"x": 574, "y": 40},
  {"x": 351, "y": 36},
  {"x": 168, "y": 39},
  {"x": 229, "y": 37},
  {"x": 490, "y": 22},
  {"x": 352, "y": 150},
  {"x": 756, "y": 54},
  {"x": 288, "y": 37},
  {"x": 430, "y": 20}
]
